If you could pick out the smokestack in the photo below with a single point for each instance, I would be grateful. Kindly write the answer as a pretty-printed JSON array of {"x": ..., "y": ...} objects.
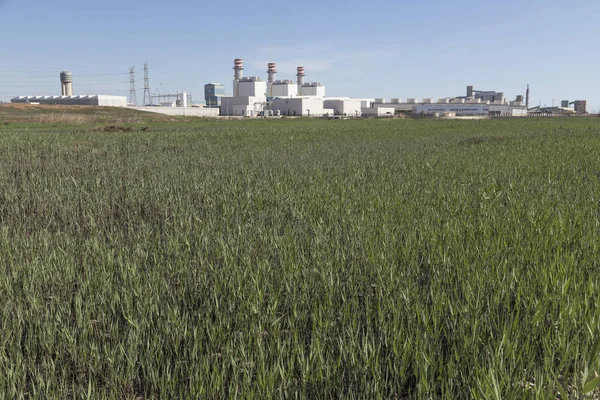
[
  {"x": 527, "y": 97},
  {"x": 272, "y": 71},
  {"x": 300, "y": 76},
  {"x": 66, "y": 83},
  {"x": 469, "y": 91},
  {"x": 238, "y": 67}
]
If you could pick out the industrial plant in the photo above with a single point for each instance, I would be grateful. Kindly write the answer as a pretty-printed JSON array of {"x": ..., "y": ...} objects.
[
  {"x": 254, "y": 97},
  {"x": 67, "y": 98}
]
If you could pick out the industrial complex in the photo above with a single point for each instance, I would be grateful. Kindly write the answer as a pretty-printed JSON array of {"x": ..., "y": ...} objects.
[{"x": 254, "y": 97}]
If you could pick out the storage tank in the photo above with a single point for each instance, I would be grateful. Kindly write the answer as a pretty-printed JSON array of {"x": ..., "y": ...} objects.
[
  {"x": 380, "y": 101},
  {"x": 427, "y": 101},
  {"x": 411, "y": 101},
  {"x": 396, "y": 101},
  {"x": 183, "y": 99}
]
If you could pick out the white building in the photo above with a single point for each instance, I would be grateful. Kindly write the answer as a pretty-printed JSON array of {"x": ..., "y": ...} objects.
[
  {"x": 458, "y": 108},
  {"x": 243, "y": 106},
  {"x": 377, "y": 112},
  {"x": 344, "y": 106},
  {"x": 299, "y": 107},
  {"x": 92, "y": 100},
  {"x": 252, "y": 87},
  {"x": 284, "y": 88},
  {"x": 312, "y": 89},
  {"x": 250, "y": 95}
]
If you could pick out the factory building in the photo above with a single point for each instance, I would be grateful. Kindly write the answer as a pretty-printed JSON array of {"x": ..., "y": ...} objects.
[
  {"x": 538, "y": 111},
  {"x": 67, "y": 97},
  {"x": 252, "y": 96},
  {"x": 283, "y": 88},
  {"x": 475, "y": 103},
  {"x": 249, "y": 94},
  {"x": 344, "y": 106},
  {"x": 313, "y": 89},
  {"x": 94, "y": 100},
  {"x": 299, "y": 107},
  {"x": 580, "y": 106},
  {"x": 377, "y": 112},
  {"x": 213, "y": 92}
]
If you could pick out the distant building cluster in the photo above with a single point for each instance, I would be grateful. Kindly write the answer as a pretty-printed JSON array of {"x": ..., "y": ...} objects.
[{"x": 252, "y": 97}]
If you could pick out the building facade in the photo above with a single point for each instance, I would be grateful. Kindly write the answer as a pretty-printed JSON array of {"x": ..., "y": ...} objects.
[{"x": 213, "y": 93}]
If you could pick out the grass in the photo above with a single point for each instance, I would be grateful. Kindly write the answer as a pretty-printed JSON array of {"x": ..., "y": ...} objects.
[{"x": 312, "y": 259}]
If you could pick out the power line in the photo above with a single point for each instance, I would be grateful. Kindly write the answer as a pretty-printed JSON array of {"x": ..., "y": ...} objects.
[
  {"x": 29, "y": 74},
  {"x": 147, "y": 98},
  {"x": 51, "y": 86},
  {"x": 132, "y": 93}
]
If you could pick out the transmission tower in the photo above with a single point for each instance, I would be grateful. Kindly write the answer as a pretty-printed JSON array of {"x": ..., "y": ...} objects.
[
  {"x": 147, "y": 98},
  {"x": 132, "y": 93}
]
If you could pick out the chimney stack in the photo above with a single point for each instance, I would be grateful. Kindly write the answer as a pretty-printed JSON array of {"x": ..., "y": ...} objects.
[
  {"x": 300, "y": 75},
  {"x": 238, "y": 75}
]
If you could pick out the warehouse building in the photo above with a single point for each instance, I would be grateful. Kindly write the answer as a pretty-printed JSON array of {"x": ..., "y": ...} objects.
[
  {"x": 67, "y": 98},
  {"x": 475, "y": 103},
  {"x": 94, "y": 100}
]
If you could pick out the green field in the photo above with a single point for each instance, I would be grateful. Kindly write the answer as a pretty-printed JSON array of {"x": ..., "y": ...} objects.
[{"x": 299, "y": 258}]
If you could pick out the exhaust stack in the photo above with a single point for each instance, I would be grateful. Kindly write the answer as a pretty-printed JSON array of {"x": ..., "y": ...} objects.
[
  {"x": 238, "y": 67},
  {"x": 300, "y": 75}
]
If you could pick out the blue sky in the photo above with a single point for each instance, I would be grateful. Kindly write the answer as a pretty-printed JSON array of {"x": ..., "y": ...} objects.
[{"x": 376, "y": 48}]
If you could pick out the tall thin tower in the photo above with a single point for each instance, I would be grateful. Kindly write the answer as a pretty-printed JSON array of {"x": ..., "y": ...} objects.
[
  {"x": 132, "y": 93},
  {"x": 147, "y": 98},
  {"x": 527, "y": 97}
]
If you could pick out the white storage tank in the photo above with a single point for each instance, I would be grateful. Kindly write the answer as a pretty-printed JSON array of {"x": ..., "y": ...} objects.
[
  {"x": 380, "y": 101},
  {"x": 396, "y": 101},
  {"x": 411, "y": 101},
  {"x": 427, "y": 101}
]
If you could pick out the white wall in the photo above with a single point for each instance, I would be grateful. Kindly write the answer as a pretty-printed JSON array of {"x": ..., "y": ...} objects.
[
  {"x": 459, "y": 109},
  {"x": 299, "y": 106},
  {"x": 348, "y": 107},
  {"x": 315, "y": 91},
  {"x": 377, "y": 111},
  {"x": 285, "y": 90},
  {"x": 257, "y": 89},
  {"x": 179, "y": 111},
  {"x": 228, "y": 103}
]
